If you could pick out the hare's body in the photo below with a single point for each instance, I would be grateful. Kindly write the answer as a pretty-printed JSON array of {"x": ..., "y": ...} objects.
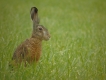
[{"x": 30, "y": 50}]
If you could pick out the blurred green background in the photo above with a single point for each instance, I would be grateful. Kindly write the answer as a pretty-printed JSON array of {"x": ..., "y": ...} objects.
[{"x": 77, "y": 49}]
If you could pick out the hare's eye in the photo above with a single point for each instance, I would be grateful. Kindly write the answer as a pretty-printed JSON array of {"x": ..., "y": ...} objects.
[{"x": 40, "y": 29}]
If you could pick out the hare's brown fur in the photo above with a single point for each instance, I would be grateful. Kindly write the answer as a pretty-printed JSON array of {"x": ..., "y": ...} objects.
[{"x": 30, "y": 50}]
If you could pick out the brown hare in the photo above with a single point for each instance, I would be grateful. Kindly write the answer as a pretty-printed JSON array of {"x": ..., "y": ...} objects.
[{"x": 30, "y": 50}]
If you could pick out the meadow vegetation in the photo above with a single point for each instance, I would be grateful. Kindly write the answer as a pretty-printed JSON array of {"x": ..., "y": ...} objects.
[{"x": 76, "y": 50}]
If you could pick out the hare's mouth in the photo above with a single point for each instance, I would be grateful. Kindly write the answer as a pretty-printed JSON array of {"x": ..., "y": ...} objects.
[{"x": 47, "y": 38}]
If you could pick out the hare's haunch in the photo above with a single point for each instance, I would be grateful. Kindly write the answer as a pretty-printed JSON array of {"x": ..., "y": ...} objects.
[{"x": 30, "y": 50}]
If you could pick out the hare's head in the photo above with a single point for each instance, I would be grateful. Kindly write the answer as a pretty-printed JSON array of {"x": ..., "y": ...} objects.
[{"x": 39, "y": 31}]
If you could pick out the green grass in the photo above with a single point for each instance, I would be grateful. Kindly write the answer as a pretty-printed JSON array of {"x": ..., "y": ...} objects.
[{"x": 77, "y": 49}]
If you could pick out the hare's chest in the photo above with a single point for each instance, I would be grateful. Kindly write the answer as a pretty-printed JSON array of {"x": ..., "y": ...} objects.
[{"x": 34, "y": 52}]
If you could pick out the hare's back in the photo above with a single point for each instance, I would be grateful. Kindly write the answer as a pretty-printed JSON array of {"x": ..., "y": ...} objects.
[{"x": 21, "y": 51}]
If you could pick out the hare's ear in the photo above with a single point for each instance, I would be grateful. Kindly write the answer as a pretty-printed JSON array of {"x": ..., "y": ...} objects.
[{"x": 34, "y": 14}]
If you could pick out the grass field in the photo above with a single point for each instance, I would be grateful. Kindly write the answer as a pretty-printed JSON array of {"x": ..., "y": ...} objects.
[{"x": 77, "y": 49}]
